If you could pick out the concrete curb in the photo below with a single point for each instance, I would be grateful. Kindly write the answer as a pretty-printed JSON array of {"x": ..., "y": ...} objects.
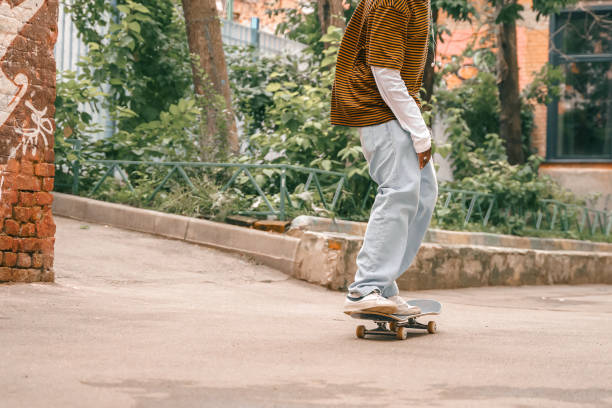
[
  {"x": 329, "y": 258},
  {"x": 444, "y": 237},
  {"x": 275, "y": 250}
]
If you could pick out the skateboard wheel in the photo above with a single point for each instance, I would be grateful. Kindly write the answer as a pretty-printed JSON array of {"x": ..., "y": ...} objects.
[
  {"x": 393, "y": 326},
  {"x": 432, "y": 327},
  {"x": 360, "y": 332},
  {"x": 402, "y": 333}
]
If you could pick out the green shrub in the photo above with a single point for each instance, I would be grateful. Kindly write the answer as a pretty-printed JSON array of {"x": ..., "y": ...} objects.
[
  {"x": 295, "y": 127},
  {"x": 484, "y": 168}
]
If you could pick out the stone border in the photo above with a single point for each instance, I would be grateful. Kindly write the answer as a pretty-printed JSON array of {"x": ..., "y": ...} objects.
[
  {"x": 444, "y": 237},
  {"x": 329, "y": 259},
  {"x": 275, "y": 250}
]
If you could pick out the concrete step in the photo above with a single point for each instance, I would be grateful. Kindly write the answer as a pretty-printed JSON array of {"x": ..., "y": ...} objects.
[{"x": 329, "y": 259}]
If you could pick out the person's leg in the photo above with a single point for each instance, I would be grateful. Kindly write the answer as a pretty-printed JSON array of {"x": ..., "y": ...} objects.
[
  {"x": 418, "y": 228},
  {"x": 394, "y": 167}
]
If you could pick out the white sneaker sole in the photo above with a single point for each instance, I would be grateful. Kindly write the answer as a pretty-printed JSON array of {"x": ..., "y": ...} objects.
[{"x": 386, "y": 309}]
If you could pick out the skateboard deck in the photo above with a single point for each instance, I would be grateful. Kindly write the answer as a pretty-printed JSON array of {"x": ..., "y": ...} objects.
[{"x": 397, "y": 325}]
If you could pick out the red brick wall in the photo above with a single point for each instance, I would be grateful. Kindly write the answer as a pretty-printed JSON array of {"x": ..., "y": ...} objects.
[
  {"x": 532, "y": 49},
  {"x": 533, "y": 37},
  {"x": 28, "y": 31}
]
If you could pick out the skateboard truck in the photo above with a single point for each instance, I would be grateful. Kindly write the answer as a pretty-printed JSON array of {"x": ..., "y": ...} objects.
[{"x": 397, "y": 326}]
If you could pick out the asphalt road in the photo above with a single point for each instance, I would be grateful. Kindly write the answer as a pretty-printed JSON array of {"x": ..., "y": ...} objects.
[{"x": 135, "y": 320}]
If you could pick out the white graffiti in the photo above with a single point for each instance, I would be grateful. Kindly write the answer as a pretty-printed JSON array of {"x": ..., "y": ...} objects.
[
  {"x": 12, "y": 20},
  {"x": 1, "y": 184},
  {"x": 31, "y": 137}
]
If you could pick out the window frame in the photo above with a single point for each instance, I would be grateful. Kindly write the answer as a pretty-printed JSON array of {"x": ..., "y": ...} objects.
[{"x": 552, "y": 136}]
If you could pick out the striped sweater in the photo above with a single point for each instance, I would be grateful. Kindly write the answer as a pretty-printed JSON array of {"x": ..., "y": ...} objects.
[{"x": 384, "y": 33}]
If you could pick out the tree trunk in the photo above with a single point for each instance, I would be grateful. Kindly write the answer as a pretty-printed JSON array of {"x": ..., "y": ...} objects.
[
  {"x": 331, "y": 13},
  {"x": 508, "y": 85},
  {"x": 428, "y": 72},
  {"x": 204, "y": 37}
]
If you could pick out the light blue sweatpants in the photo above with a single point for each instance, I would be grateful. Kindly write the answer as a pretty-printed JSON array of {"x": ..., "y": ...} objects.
[{"x": 401, "y": 212}]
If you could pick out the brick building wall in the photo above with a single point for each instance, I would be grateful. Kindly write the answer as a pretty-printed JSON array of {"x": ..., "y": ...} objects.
[
  {"x": 28, "y": 30},
  {"x": 533, "y": 38},
  {"x": 532, "y": 50}
]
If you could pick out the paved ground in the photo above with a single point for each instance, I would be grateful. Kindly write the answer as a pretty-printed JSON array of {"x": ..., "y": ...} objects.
[{"x": 138, "y": 321}]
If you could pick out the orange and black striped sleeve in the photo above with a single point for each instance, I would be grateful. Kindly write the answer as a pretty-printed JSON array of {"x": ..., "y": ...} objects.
[{"x": 386, "y": 37}]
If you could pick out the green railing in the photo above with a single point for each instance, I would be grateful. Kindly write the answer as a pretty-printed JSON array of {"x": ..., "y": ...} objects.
[
  {"x": 473, "y": 202},
  {"x": 116, "y": 168},
  {"x": 476, "y": 206},
  {"x": 551, "y": 215},
  {"x": 568, "y": 215}
]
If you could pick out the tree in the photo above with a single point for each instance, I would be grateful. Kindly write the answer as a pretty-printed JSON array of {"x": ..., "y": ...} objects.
[
  {"x": 210, "y": 70},
  {"x": 458, "y": 10},
  {"x": 331, "y": 13},
  {"x": 139, "y": 55},
  {"x": 507, "y": 12}
]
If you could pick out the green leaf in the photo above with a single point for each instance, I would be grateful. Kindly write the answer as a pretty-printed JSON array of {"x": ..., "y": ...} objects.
[
  {"x": 328, "y": 61},
  {"x": 509, "y": 13},
  {"x": 139, "y": 7},
  {"x": 273, "y": 87},
  {"x": 134, "y": 26},
  {"x": 125, "y": 112}
]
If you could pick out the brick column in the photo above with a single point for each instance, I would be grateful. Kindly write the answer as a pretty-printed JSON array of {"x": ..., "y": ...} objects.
[{"x": 28, "y": 30}]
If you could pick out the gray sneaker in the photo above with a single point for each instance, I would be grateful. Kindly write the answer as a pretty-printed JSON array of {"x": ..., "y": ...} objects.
[
  {"x": 404, "y": 308},
  {"x": 374, "y": 302}
]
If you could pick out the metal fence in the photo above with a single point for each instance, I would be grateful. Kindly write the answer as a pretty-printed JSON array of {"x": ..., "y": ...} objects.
[
  {"x": 327, "y": 186},
  {"x": 476, "y": 205},
  {"x": 267, "y": 44},
  {"x": 116, "y": 169},
  {"x": 69, "y": 49},
  {"x": 570, "y": 216},
  {"x": 551, "y": 215},
  {"x": 473, "y": 206}
]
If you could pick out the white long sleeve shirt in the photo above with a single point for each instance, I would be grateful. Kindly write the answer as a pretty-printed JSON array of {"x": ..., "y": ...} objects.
[{"x": 395, "y": 94}]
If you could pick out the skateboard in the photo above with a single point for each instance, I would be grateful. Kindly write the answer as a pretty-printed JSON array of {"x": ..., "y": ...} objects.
[{"x": 397, "y": 325}]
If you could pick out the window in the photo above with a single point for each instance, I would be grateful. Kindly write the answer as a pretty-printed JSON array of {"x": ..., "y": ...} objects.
[{"x": 580, "y": 121}]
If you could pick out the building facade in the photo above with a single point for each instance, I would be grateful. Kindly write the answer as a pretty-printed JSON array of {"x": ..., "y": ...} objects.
[
  {"x": 244, "y": 10},
  {"x": 574, "y": 132}
]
